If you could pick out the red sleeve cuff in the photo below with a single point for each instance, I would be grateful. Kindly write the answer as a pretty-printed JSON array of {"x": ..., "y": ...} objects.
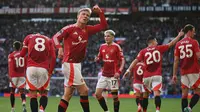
[{"x": 120, "y": 72}]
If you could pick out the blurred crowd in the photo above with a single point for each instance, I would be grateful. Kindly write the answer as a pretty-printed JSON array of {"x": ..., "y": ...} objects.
[
  {"x": 135, "y": 32},
  {"x": 62, "y": 3},
  {"x": 88, "y": 3}
]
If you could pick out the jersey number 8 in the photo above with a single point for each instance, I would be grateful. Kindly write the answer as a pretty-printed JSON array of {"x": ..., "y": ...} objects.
[{"x": 39, "y": 46}]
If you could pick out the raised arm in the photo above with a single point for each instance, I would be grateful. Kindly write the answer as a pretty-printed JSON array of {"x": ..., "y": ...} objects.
[
  {"x": 173, "y": 42},
  {"x": 103, "y": 23}
]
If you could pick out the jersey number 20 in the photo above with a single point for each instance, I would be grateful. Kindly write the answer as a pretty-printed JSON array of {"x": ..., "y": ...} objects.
[{"x": 152, "y": 55}]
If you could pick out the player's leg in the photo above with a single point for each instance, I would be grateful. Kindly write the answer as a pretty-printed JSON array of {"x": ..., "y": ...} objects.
[
  {"x": 12, "y": 98},
  {"x": 137, "y": 90},
  {"x": 64, "y": 102},
  {"x": 105, "y": 94},
  {"x": 147, "y": 86},
  {"x": 43, "y": 100},
  {"x": 157, "y": 87},
  {"x": 83, "y": 92},
  {"x": 185, "y": 90},
  {"x": 115, "y": 100},
  {"x": 195, "y": 98},
  {"x": 33, "y": 100},
  {"x": 145, "y": 101},
  {"x": 101, "y": 99},
  {"x": 23, "y": 98},
  {"x": 195, "y": 80},
  {"x": 101, "y": 84},
  {"x": 21, "y": 85},
  {"x": 184, "y": 100},
  {"x": 114, "y": 86}
]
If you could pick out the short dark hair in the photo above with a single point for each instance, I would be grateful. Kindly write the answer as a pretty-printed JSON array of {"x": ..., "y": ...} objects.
[
  {"x": 187, "y": 28},
  {"x": 17, "y": 45},
  {"x": 150, "y": 37}
]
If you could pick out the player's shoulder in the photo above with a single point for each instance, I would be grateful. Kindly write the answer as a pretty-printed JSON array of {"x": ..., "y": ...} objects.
[
  {"x": 103, "y": 45},
  {"x": 10, "y": 55},
  {"x": 71, "y": 26}
]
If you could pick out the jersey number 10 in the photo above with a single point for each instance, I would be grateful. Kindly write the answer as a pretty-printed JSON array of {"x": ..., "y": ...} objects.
[{"x": 19, "y": 62}]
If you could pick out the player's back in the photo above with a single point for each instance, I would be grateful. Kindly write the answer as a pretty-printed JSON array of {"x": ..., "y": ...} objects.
[
  {"x": 138, "y": 72},
  {"x": 152, "y": 57},
  {"x": 17, "y": 64},
  {"x": 186, "y": 50},
  {"x": 39, "y": 47}
]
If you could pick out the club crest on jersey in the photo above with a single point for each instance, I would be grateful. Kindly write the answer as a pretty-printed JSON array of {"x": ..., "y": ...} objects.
[
  {"x": 103, "y": 50},
  {"x": 75, "y": 33},
  {"x": 80, "y": 40}
]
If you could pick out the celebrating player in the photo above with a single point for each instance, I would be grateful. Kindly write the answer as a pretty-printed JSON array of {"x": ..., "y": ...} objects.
[
  {"x": 112, "y": 56},
  {"x": 187, "y": 51},
  {"x": 40, "y": 65},
  {"x": 17, "y": 67},
  {"x": 75, "y": 38},
  {"x": 152, "y": 57},
  {"x": 139, "y": 88}
]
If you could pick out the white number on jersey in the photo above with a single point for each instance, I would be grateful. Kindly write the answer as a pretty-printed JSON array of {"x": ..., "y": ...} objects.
[
  {"x": 39, "y": 42},
  {"x": 152, "y": 55},
  {"x": 19, "y": 62},
  {"x": 188, "y": 51},
  {"x": 139, "y": 70}
]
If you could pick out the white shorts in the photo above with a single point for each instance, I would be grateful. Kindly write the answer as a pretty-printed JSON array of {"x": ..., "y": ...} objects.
[
  {"x": 18, "y": 82},
  {"x": 108, "y": 82},
  {"x": 37, "y": 78},
  {"x": 72, "y": 73},
  {"x": 190, "y": 81},
  {"x": 153, "y": 83},
  {"x": 138, "y": 88}
]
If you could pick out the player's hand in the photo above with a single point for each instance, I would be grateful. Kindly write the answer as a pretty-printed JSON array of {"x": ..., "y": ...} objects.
[
  {"x": 96, "y": 59},
  {"x": 60, "y": 53},
  {"x": 174, "y": 79},
  {"x": 96, "y": 9},
  {"x": 125, "y": 74},
  {"x": 116, "y": 75},
  {"x": 181, "y": 33},
  {"x": 9, "y": 78}
]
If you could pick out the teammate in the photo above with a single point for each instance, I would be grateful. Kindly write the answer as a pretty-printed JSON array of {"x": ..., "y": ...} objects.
[
  {"x": 112, "y": 56},
  {"x": 75, "y": 38},
  {"x": 41, "y": 61},
  {"x": 152, "y": 57},
  {"x": 139, "y": 88},
  {"x": 17, "y": 67},
  {"x": 188, "y": 52}
]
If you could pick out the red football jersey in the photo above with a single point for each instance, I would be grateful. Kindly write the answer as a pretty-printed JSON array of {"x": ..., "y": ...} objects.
[
  {"x": 152, "y": 57},
  {"x": 111, "y": 55},
  {"x": 76, "y": 39},
  {"x": 138, "y": 72},
  {"x": 41, "y": 52},
  {"x": 16, "y": 64},
  {"x": 186, "y": 50}
]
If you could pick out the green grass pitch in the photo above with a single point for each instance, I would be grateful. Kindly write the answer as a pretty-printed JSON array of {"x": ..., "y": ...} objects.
[{"x": 126, "y": 105}]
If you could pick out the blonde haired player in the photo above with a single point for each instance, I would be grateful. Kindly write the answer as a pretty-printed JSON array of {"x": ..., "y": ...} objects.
[
  {"x": 112, "y": 56},
  {"x": 75, "y": 38}
]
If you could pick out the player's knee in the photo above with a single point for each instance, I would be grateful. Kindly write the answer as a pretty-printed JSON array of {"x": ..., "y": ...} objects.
[
  {"x": 85, "y": 91},
  {"x": 98, "y": 95}
]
